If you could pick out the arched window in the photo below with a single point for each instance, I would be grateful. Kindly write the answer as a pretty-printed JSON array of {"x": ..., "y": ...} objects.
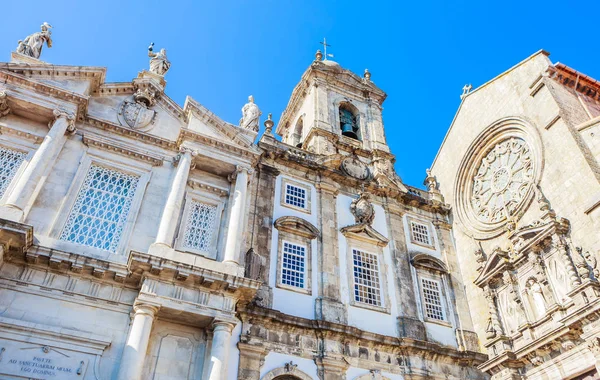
[
  {"x": 298, "y": 131},
  {"x": 349, "y": 122}
]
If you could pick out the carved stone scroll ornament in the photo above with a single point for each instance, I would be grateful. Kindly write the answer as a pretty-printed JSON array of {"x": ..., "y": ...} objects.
[
  {"x": 159, "y": 64},
  {"x": 32, "y": 45},
  {"x": 362, "y": 209},
  {"x": 250, "y": 115},
  {"x": 4, "y": 107}
]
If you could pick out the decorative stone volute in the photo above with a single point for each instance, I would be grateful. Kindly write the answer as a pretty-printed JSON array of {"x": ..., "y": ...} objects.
[
  {"x": 69, "y": 116},
  {"x": 4, "y": 107}
]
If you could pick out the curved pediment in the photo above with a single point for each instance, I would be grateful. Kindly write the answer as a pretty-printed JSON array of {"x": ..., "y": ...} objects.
[
  {"x": 425, "y": 261},
  {"x": 365, "y": 233},
  {"x": 297, "y": 226}
]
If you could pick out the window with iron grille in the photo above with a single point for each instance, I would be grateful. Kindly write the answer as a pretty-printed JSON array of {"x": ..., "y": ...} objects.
[
  {"x": 200, "y": 226},
  {"x": 295, "y": 196},
  {"x": 420, "y": 233},
  {"x": 366, "y": 278},
  {"x": 10, "y": 161},
  {"x": 432, "y": 299},
  {"x": 100, "y": 211},
  {"x": 293, "y": 265}
]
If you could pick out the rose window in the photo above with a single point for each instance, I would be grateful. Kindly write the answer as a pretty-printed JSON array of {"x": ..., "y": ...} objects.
[{"x": 502, "y": 180}]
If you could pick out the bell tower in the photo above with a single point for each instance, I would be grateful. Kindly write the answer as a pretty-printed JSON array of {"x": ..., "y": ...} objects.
[{"x": 333, "y": 110}]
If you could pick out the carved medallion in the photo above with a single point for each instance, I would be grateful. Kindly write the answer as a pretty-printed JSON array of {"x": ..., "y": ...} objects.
[
  {"x": 362, "y": 209},
  {"x": 135, "y": 115},
  {"x": 355, "y": 168}
]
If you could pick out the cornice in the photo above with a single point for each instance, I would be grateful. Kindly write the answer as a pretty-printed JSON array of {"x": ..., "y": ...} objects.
[
  {"x": 96, "y": 75},
  {"x": 123, "y": 131},
  {"x": 196, "y": 184},
  {"x": 6, "y": 130},
  {"x": 189, "y": 135},
  {"x": 126, "y": 150},
  {"x": 46, "y": 89}
]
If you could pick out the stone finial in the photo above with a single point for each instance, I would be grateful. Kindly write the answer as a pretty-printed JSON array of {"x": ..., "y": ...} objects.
[
  {"x": 159, "y": 64},
  {"x": 367, "y": 74},
  {"x": 4, "y": 107},
  {"x": 32, "y": 45},
  {"x": 269, "y": 124},
  {"x": 430, "y": 181},
  {"x": 318, "y": 55},
  {"x": 466, "y": 90},
  {"x": 250, "y": 115}
]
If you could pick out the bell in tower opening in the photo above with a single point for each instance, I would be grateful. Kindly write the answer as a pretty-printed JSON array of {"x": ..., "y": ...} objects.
[{"x": 348, "y": 123}]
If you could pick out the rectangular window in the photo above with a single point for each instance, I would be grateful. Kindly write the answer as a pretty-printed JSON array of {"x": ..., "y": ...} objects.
[
  {"x": 432, "y": 299},
  {"x": 100, "y": 211},
  {"x": 293, "y": 265},
  {"x": 420, "y": 233},
  {"x": 10, "y": 161},
  {"x": 295, "y": 196},
  {"x": 366, "y": 278},
  {"x": 200, "y": 226}
]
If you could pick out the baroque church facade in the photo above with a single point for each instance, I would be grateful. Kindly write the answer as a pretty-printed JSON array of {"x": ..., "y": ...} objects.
[{"x": 144, "y": 240}]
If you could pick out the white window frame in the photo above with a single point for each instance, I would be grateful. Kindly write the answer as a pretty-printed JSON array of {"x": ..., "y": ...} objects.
[
  {"x": 440, "y": 280},
  {"x": 377, "y": 272},
  {"x": 363, "y": 246},
  {"x": 113, "y": 162},
  {"x": 280, "y": 268},
  {"x": 412, "y": 221},
  {"x": 28, "y": 154},
  {"x": 442, "y": 309},
  {"x": 285, "y": 182},
  {"x": 209, "y": 199}
]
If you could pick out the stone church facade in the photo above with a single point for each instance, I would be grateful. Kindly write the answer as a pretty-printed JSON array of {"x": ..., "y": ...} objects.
[{"x": 144, "y": 240}]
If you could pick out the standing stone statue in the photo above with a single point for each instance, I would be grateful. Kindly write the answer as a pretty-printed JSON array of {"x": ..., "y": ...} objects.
[
  {"x": 250, "y": 115},
  {"x": 159, "y": 64},
  {"x": 32, "y": 45}
]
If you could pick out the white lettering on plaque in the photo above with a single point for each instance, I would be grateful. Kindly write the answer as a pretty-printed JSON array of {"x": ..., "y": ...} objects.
[{"x": 42, "y": 363}]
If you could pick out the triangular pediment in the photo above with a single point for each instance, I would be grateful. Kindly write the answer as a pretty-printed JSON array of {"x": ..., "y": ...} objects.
[
  {"x": 365, "y": 233},
  {"x": 494, "y": 265},
  {"x": 203, "y": 122}
]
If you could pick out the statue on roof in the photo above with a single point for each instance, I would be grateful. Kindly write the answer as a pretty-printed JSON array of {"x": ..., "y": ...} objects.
[
  {"x": 159, "y": 64},
  {"x": 250, "y": 115},
  {"x": 32, "y": 45}
]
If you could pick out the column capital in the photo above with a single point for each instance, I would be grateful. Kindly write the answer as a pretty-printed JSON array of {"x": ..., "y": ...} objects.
[
  {"x": 239, "y": 169},
  {"x": 326, "y": 187},
  {"x": 222, "y": 326},
  {"x": 185, "y": 149},
  {"x": 68, "y": 116},
  {"x": 146, "y": 309}
]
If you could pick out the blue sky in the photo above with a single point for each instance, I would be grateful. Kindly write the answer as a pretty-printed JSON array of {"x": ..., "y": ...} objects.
[{"x": 420, "y": 52}]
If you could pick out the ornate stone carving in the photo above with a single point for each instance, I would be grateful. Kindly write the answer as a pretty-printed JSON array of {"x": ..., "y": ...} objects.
[
  {"x": 355, "y": 168},
  {"x": 480, "y": 257},
  {"x": 362, "y": 209},
  {"x": 430, "y": 181},
  {"x": 4, "y": 107},
  {"x": 58, "y": 113},
  {"x": 290, "y": 367},
  {"x": 269, "y": 125},
  {"x": 502, "y": 181},
  {"x": 135, "y": 112},
  {"x": 250, "y": 115},
  {"x": 32, "y": 45},
  {"x": 582, "y": 266},
  {"x": 159, "y": 64}
]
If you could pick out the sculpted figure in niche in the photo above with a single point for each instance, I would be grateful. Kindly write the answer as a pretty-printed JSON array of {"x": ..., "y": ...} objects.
[
  {"x": 536, "y": 297},
  {"x": 250, "y": 115},
  {"x": 32, "y": 45},
  {"x": 159, "y": 64}
]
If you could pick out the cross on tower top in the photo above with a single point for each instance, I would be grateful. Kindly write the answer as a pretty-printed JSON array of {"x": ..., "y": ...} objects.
[{"x": 325, "y": 44}]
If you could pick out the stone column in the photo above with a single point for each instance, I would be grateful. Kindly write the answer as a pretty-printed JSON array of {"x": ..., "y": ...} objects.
[
  {"x": 132, "y": 361},
  {"x": 328, "y": 305},
  {"x": 24, "y": 192},
  {"x": 251, "y": 359},
  {"x": 331, "y": 368},
  {"x": 236, "y": 217},
  {"x": 219, "y": 351},
  {"x": 168, "y": 222},
  {"x": 574, "y": 279},
  {"x": 494, "y": 314}
]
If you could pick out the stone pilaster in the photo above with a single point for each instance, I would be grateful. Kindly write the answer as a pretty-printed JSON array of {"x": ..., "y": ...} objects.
[
  {"x": 458, "y": 296},
  {"x": 134, "y": 353},
  {"x": 219, "y": 351},
  {"x": 251, "y": 359},
  {"x": 331, "y": 368},
  {"x": 261, "y": 219},
  {"x": 168, "y": 221},
  {"x": 26, "y": 188},
  {"x": 235, "y": 230},
  {"x": 409, "y": 324},
  {"x": 328, "y": 305}
]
